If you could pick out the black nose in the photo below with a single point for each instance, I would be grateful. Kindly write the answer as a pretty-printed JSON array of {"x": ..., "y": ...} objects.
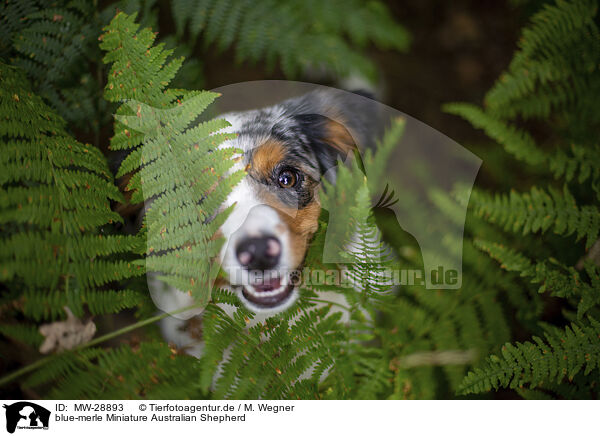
[{"x": 259, "y": 253}]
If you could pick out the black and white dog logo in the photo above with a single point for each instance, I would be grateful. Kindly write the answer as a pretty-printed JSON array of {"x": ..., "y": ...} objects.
[{"x": 26, "y": 415}]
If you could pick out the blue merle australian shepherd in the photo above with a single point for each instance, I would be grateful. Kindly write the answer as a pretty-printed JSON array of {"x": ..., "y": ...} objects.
[{"x": 288, "y": 148}]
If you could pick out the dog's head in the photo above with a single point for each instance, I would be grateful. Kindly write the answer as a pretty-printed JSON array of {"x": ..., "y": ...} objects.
[{"x": 287, "y": 149}]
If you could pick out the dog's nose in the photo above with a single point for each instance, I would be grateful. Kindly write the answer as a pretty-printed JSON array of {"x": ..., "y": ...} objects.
[{"x": 259, "y": 253}]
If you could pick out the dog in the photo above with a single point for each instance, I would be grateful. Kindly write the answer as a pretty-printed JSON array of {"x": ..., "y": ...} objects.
[{"x": 286, "y": 150}]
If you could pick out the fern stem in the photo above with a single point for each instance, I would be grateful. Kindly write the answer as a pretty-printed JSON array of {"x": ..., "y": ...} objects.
[
  {"x": 26, "y": 369},
  {"x": 59, "y": 184}
]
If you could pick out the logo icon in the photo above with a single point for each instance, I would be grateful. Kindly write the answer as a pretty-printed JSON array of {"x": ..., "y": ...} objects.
[{"x": 26, "y": 415}]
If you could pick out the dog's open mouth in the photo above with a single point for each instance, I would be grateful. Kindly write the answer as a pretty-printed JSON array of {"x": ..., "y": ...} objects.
[{"x": 270, "y": 293}]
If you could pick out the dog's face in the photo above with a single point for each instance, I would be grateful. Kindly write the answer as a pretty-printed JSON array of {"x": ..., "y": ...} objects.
[{"x": 287, "y": 149}]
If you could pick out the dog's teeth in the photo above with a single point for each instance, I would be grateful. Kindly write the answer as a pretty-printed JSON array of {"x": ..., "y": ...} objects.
[
  {"x": 267, "y": 299},
  {"x": 266, "y": 293}
]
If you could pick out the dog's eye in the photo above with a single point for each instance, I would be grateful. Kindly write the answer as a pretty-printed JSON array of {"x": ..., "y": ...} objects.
[{"x": 287, "y": 179}]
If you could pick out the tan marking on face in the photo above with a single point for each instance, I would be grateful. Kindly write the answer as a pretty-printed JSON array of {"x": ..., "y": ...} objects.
[
  {"x": 301, "y": 224},
  {"x": 266, "y": 157}
]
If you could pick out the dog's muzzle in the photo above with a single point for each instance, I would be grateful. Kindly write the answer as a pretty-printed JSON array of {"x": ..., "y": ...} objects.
[{"x": 266, "y": 289}]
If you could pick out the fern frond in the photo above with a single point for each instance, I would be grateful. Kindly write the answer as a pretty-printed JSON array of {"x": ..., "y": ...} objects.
[
  {"x": 580, "y": 164},
  {"x": 514, "y": 140},
  {"x": 368, "y": 259},
  {"x": 274, "y": 359},
  {"x": 62, "y": 364},
  {"x": 151, "y": 370},
  {"x": 560, "y": 281},
  {"x": 28, "y": 334},
  {"x": 52, "y": 44},
  {"x": 55, "y": 199},
  {"x": 538, "y": 211},
  {"x": 179, "y": 167},
  {"x": 553, "y": 77},
  {"x": 556, "y": 67},
  {"x": 560, "y": 355},
  {"x": 298, "y": 35},
  {"x": 13, "y": 16}
]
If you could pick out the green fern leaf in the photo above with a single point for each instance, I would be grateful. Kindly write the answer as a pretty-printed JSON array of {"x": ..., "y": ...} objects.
[
  {"x": 179, "y": 168},
  {"x": 538, "y": 211},
  {"x": 28, "y": 334},
  {"x": 299, "y": 34},
  {"x": 555, "y": 68},
  {"x": 515, "y": 141},
  {"x": 556, "y": 279},
  {"x": 562, "y": 355},
  {"x": 55, "y": 199}
]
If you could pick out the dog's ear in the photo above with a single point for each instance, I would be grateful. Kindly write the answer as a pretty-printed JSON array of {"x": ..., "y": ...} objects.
[
  {"x": 328, "y": 139},
  {"x": 320, "y": 129},
  {"x": 338, "y": 137}
]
